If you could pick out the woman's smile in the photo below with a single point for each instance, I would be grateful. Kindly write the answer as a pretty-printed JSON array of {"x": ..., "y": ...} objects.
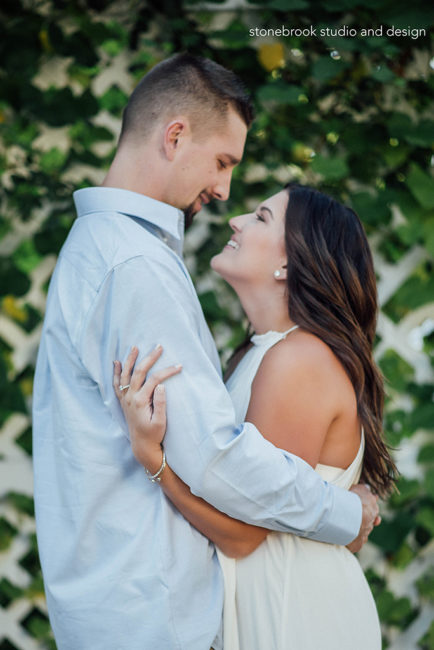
[{"x": 232, "y": 244}]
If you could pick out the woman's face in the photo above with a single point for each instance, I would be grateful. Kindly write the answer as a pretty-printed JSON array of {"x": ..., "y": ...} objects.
[{"x": 257, "y": 246}]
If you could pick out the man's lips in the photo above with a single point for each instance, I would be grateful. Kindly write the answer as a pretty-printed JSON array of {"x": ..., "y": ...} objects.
[{"x": 204, "y": 198}]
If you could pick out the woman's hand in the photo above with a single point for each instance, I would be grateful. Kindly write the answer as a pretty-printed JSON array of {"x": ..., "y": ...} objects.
[{"x": 143, "y": 402}]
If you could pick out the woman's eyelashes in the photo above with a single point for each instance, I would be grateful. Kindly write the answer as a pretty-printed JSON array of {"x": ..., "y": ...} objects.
[{"x": 260, "y": 217}]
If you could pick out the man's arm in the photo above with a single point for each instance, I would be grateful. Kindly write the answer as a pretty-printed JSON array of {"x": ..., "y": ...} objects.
[{"x": 234, "y": 469}]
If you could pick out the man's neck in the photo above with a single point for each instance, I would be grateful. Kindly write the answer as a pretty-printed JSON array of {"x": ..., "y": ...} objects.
[{"x": 134, "y": 172}]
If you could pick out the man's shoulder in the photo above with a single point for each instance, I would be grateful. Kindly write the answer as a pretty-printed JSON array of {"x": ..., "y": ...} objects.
[{"x": 100, "y": 242}]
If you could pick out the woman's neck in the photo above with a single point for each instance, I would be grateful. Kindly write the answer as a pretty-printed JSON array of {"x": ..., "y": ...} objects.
[{"x": 266, "y": 310}]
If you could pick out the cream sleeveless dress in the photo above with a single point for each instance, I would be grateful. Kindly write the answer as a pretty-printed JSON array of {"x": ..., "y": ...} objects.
[{"x": 293, "y": 593}]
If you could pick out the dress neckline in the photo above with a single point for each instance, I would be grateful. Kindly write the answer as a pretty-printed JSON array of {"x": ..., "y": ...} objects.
[{"x": 270, "y": 336}]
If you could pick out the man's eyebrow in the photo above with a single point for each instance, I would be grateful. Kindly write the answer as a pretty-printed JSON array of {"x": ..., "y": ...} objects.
[{"x": 263, "y": 208}]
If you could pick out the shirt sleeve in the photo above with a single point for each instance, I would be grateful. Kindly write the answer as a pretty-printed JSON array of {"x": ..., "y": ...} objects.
[{"x": 146, "y": 301}]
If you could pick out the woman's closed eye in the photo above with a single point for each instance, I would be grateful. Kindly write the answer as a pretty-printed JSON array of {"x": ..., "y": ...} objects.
[{"x": 259, "y": 217}]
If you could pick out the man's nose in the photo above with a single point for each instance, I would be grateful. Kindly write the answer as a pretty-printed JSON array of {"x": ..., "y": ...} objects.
[{"x": 221, "y": 189}]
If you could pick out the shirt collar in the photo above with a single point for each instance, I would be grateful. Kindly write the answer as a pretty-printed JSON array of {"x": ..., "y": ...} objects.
[{"x": 113, "y": 199}]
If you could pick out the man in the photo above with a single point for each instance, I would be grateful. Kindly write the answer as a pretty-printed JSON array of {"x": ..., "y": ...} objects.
[{"x": 122, "y": 568}]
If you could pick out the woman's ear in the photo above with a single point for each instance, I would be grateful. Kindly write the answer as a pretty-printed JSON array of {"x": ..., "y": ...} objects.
[{"x": 280, "y": 273}]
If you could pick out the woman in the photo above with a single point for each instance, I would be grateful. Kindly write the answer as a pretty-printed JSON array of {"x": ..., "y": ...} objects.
[{"x": 303, "y": 271}]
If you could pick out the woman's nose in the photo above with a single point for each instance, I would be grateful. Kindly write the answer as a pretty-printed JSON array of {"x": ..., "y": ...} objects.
[{"x": 236, "y": 223}]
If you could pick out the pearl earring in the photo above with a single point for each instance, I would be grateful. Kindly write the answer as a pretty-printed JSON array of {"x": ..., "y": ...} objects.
[{"x": 276, "y": 274}]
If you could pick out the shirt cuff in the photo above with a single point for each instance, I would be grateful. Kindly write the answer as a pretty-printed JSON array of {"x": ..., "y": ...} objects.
[{"x": 345, "y": 518}]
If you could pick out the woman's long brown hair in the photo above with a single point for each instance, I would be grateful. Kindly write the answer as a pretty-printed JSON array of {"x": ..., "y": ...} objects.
[{"x": 332, "y": 294}]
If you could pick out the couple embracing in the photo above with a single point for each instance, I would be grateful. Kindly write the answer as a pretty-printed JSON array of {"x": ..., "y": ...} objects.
[{"x": 232, "y": 522}]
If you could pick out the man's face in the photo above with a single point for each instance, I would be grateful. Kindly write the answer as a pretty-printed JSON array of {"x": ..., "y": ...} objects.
[{"x": 203, "y": 168}]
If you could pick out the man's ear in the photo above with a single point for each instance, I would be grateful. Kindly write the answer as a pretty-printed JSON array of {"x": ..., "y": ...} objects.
[{"x": 174, "y": 134}]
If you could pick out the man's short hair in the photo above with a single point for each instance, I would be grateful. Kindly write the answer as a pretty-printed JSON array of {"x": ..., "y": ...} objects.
[{"x": 195, "y": 86}]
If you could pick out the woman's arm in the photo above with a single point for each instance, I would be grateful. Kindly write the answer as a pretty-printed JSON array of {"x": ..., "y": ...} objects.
[
  {"x": 144, "y": 406},
  {"x": 235, "y": 538}
]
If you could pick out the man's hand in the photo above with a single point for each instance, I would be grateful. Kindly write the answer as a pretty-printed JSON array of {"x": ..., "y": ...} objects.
[{"x": 370, "y": 516}]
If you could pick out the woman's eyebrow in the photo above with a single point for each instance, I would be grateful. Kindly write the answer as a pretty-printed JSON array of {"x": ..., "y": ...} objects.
[{"x": 264, "y": 208}]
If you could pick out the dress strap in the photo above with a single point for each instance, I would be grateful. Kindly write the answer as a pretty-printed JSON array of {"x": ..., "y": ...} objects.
[
  {"x": 271, "y": 337},
  {"x": 291, "y": 329}
]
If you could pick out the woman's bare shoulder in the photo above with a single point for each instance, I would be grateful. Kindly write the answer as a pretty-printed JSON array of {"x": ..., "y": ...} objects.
[
  {"x": 302, "y": 351},
  {"x": 294, "y": 375},
  {"x": 300, "y": 389}
]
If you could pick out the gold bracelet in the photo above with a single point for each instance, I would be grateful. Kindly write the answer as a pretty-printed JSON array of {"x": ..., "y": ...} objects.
[{"x": 157, "y": 477}]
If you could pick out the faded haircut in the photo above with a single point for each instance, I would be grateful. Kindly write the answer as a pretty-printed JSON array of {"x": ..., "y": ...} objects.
[{"x": 185, "y": 84}]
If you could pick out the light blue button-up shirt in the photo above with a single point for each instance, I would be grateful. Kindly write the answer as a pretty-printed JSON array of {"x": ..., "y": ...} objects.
[{"x": 122, "y": 567}]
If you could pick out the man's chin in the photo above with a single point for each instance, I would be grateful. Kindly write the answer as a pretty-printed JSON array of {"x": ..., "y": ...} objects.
[{"x": 190, "y": 212}]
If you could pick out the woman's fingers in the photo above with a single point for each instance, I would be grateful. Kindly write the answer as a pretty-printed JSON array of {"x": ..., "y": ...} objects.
[
  {"x": 141, "y": 370},
  {"x": 147, "y": 392},
  {"x": 159, "y": 412},
  {"x": 128, "y": 366},
  {"x": 132, "y": 379},
  {"x": 117, "y": 367},
  {"x": 133, "y": 375}
]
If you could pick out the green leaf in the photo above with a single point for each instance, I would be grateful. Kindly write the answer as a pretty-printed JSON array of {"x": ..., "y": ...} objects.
[
  {"x": 86, "y": 134},
  {"x": 391, "y": 533},
  {"x": 399, "y": 124},
  {"x": 332, "y": 169},
  {"x": 114, "y": 100},
  {"x": 382, "y": 73},
  {"x": 414, "y": 17},
  {"x": 53, "y": 160},
  {"x": 416, "y": 291},
  {"x": 282, "y": 93},
  {"x": 421, "y": 186},
  {"x": 422, "y": 417},
  {"x": 409, "y": 490},
  {"x": 326, "y": 68},
  {"x": 37, "y": 625},
  {"x": 340, "y": 5},
  {"x": 426, "y": 453},
  {"x": 288, "y": 5},
  {"x": 210, "y": 306},
  {"x": 404, "y": 555},
  {"x": 396, "y": 370},
  {"x": 8, "y": 592},
  {"x": 112, "y": 46},
  {"x": 21, "y": 502},
  {"x": 12, "y": 281},
  {"x": 428, "y": 230},
  {"x": 427, "y": 641},
  {"x": 393, "y": 610},
  {"x": 372, "y": 209},
  {"x": 396, "y": 156},
  {"x": 409, "y": 207},
  {"x": 25, "y": 257},
  {"x": 422, "y": 134},
  {"x": 7, "y": 533},
  {"x": 428, "y": 483},
  {"x": 425, "y": 517}
]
